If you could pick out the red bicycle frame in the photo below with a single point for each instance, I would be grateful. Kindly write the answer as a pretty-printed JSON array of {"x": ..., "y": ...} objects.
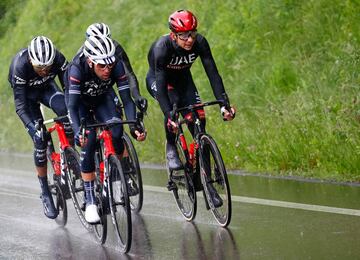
[
  {"x": 106, "y": 136},
  {"x": 109, "y": 149},
  {"x": 57, "y": 159}
]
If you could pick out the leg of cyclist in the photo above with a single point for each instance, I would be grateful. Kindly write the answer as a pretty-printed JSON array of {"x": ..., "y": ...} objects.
[
  {"x": 171, "y": 151},
  {"x": 55, "y": 100},
  {"x": 40, "y": 160},
  {"x": 88, "y": 176}
]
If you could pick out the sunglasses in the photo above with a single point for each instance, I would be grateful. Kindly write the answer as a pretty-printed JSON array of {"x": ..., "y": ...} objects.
[
  {"x": 104, "y": 66},
  {"x": 184, "y": 36}
]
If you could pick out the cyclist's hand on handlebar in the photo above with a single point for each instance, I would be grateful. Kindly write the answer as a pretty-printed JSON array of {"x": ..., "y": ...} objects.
[
  {"x": 81, "y": 140},
  {"x": 171, "y": 125},
  {"x": 170, "y": 120},
  {"x": 228, "y": 115},
  {"x": 138, "y": 133}
]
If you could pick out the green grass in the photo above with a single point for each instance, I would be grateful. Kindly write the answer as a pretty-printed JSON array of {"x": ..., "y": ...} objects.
[{"x": 290, "y": 67}]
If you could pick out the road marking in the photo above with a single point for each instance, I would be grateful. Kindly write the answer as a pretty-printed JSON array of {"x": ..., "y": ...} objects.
[
  {"x": 278, "y": 203},
  {"x": 243, "y": 199}
]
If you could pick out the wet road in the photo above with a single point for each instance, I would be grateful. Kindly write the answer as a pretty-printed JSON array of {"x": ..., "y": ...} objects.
[{"x": 272, "y": 219}]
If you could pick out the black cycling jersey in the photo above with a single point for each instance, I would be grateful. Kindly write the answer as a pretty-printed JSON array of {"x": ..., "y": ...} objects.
[
  {"x": 122, "y": 56},
  {"x": 169, "y": 64},
  {"x": 133, "y": 82},
  {"x": 24, "y": 79},
  {"x": 83, "y": 86}
]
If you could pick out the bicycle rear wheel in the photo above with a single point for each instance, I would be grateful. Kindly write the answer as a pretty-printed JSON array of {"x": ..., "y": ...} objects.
[
  {"x": 119, "y": 203},
  {"x": 75, "y": 184},
  {"x": 60, "y": 203},
  {"x": 213, "y": 172},
  {"x": 182, "y": 187},
  {"x": 133, "y": 169}
]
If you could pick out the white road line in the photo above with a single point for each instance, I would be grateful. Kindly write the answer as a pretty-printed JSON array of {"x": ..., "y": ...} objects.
[
  {"x": 278, "y": 203},
  {"x": 265, "y": 202}
]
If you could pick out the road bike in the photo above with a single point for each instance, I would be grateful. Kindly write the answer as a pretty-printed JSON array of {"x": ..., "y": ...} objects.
[
  {"x": 111, "y": 185},
  {"x": 202, "y": 166},
  {"x": 64, "y": 165}
]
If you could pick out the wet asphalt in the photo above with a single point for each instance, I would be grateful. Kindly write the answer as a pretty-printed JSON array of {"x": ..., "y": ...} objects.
[{"x": 272, "y": 218}]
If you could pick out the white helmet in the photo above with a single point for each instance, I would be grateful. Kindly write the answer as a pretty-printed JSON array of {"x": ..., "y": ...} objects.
[
  {"x": 99, "y": 49},
  {"x": 41, "y": 51},
  {"x": 98, "y": 29}
]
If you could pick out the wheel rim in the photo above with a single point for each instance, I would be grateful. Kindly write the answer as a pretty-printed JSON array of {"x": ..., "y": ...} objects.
[
  {"x": 214, "y": 167},
  {"x": 186, "y": 205},
  {"x": 100, "y": 230},
  {"x": 119, "y": 204},
  {"x": 60, "y": 204},
  {"x": 75, "y": 184},
  {"x": 136, "y": 201}
]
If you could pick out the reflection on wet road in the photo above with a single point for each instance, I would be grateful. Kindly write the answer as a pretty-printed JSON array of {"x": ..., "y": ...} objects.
[{"x": 272, "y": 219}]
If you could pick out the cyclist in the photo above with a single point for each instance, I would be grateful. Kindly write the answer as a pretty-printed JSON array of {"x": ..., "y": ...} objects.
[
  {"x": 32, "y": 77},
  {"x": 89, "y": 80},
  {"x": 104, "y": 30},
  {"x": 169, "y": 78}
]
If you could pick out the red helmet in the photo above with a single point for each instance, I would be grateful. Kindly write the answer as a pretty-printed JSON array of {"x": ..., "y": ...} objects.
[{"x": 182, "y": 21}]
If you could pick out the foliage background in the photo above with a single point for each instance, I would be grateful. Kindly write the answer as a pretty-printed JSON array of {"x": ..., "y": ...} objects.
[{"x": 290, "y": 67}]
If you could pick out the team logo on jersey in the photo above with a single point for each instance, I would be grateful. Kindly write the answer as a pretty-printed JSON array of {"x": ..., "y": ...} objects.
[
  {"x": 93, "y": 88},
  {"x": 181, "y": 62},
  {"x": 19, "y": 80},
  {"x": 38, "y": 82}
]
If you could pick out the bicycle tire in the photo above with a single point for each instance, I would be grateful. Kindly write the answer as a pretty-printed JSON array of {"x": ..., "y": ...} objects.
[
  {"x": 60, "y": 204},
  {"x": 119, "y": 203},
  {"x": 136, "y": 201},
  {"x": 100, "y": 229},
  {"x": 183, "y": 191},
  {"x": 214, "y": 167},
  {"x": 75, "y": 184}
]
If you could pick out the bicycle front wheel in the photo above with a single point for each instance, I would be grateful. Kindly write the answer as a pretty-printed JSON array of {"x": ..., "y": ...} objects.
[
  {"x": 119, "y": 203},
  {"x": 133, "y": 169},
  {"x": 214, "y": 177},
  {"x": 182, "y": 187},
  {"x": 76, "y": 184}
]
